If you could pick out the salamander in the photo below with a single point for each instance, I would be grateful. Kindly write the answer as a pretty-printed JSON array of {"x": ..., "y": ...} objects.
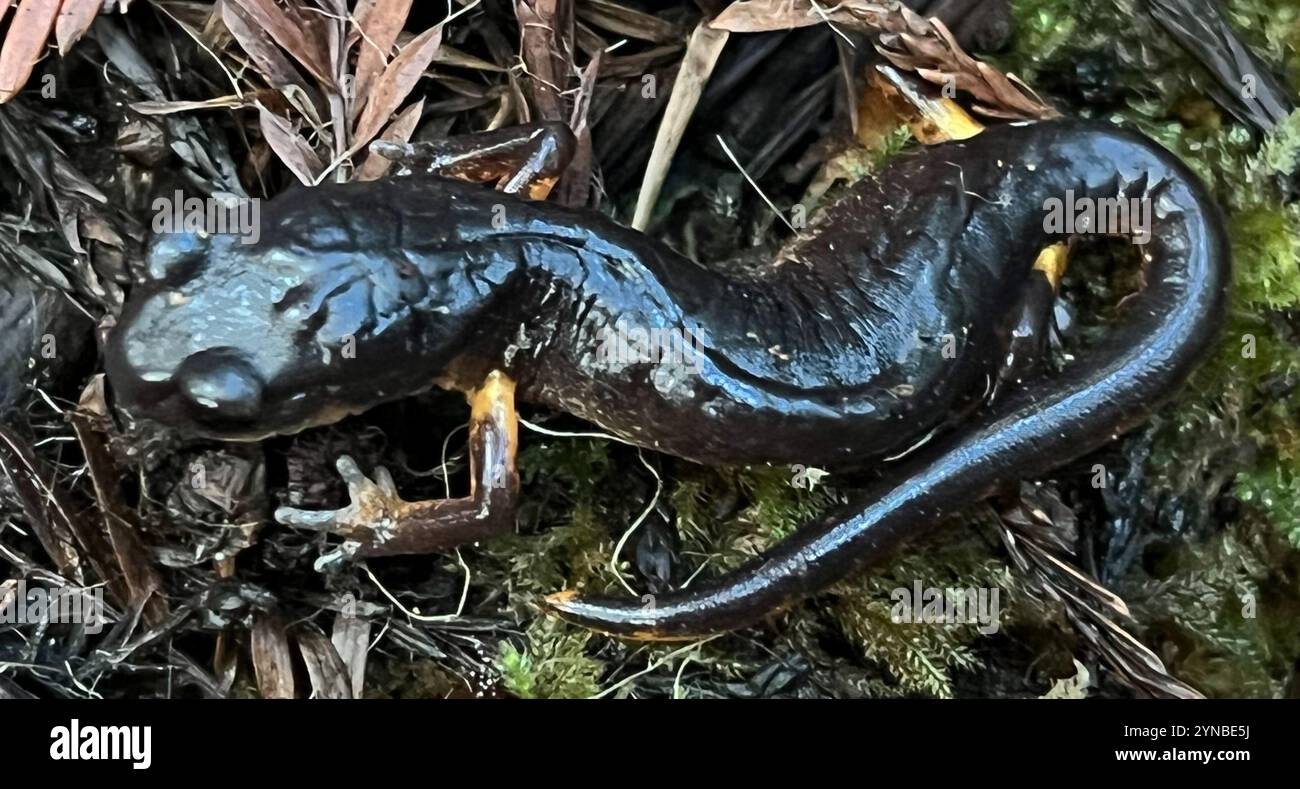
[{"x": 857, "y": 342}]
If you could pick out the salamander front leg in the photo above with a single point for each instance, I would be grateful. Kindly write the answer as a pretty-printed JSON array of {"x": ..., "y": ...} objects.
[{"x": 378, "y": 522}]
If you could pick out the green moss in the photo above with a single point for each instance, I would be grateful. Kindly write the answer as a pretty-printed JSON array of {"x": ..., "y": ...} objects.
[
  {"x": 773, "y": 509},
  {"x": 1274, "y": 487},
  {"x": 1280, "y": 153},
  {"x": 1266, "y": 247},
  {"x": 553, "y": 664},
  {"x": 411, "y": 679},
  {"x": 1240, "y": 397},
  {"x": 914, "y": 659},
  {"x": 1225, "y": 611},
  {"x": 566, "y": 543},
  {"x": 1043, "y": 28},
  {"x": 920, "y": 658},
  {"x": 1236, "y": 398},
  {"x": 1272, "y": 29},
  {"x": 894, "y": 143},
  {"x": 923, "y": 659}
]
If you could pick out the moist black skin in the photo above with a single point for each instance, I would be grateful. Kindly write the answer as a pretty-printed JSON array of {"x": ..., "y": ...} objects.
[{"x": 832, "y": 355}]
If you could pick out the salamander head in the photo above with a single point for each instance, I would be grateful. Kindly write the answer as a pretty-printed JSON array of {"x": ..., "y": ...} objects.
[{"x": 239, "y": 342}]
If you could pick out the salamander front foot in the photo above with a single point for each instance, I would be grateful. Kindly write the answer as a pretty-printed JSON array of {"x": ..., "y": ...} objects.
[
  {"x": 378, "y": 522},
  {"x": 367, "y": 523}
]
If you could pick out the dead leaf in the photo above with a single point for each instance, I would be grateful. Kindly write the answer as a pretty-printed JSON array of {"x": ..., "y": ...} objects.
[
  {"x": 24, "y": 43},
  {"x": 907, "y": 39},
  {"x": 760, "y": 16},
  {"x": 547, "y": 33},
  {"x": 400, "y": 130},
  {"x": 395, "y": 84},
  {"x": 272, "y": 661},
  {"x": 351, "y": 639},
  {"x": 329, "y": 676},
  {"x": 1075, "y": 687},
  {"x": 450, "y": 56},
  {"x": 701, "y": 56},
  {"x": 291, "y": 32},
  {"x": 379, "y": 22},
  {"x": 169, "y": 107},
  {"x": 936, "y": 56},
  {"x": 575, "y": 186},
  {"x": 75, "y": 18},
  {"x": 1036, "y": 526},
  {"x": 292, "y": 149},
  {"x": 270, "y": 62},
  {"x": 129, "y": 568},
  {"x": 47, "y": 512},
  {"x": 629, "y": 22}
]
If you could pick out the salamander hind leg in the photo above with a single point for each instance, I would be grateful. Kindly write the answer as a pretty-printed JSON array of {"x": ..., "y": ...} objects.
[
  {"x": 1026, "y": 337},
  {"x": 378, "y": 522}
]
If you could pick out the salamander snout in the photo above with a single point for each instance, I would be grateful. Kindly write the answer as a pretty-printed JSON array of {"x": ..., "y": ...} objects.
[{"x": 215, "y": 392}]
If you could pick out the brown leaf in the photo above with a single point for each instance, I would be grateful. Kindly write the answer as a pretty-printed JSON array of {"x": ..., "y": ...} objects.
[
  {"x": 328, "y": 674},
  {"x": 24, "y": 43},
  {"x": 272, "y": 661},
  {"x": 292, "y": 32},
  {"x": 575, "y": 186},
  {"x": 701, "y": 56},
  {"x": 215, "y": 103},
  {"x": 268, "y": 59},
  {"x": 629, "y": 22},
  {"x": 400, "y": 130},
  {"x": 910, "y": 41},
  {"x": 758, "y": 16},
  {"x": 929, "y": 49},
  {"x": 450, "y": 56},
  {"x": 75, "y": 18},
  {"x": 1038, "y": 530},
  {"x": 379, "y": 22},
  {"x": 47, "y": 512},
  {"x": 547, "y": 51},
  {"x": 292, "y": 149},
  {"x": 395, "y": 84},
  {"x": 129, "y": 567},
  {"x": 351, "y": 639}
]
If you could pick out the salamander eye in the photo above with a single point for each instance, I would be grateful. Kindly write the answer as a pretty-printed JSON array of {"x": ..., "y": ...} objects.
[
  {"x": 221, "y": 385},
  {"x": 175, "y": 258}
]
